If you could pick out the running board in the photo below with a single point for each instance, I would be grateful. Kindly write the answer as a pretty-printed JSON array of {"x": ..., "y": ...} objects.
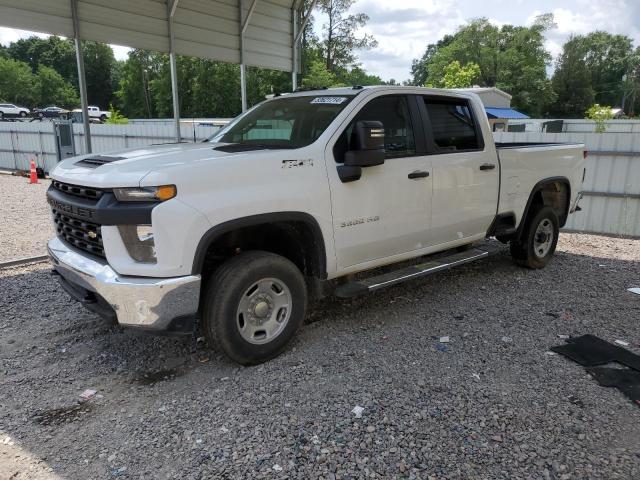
[{"x": 360, "y": 287}]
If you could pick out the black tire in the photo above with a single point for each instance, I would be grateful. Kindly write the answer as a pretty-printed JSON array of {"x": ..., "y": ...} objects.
[
  {"x": 103, "y": 118},
  {"x": 532, "y": 250},
  {"x": 1, "y": 115},
  {"x": 229, "y": 285},
  {"x": 23, "y": 114}
]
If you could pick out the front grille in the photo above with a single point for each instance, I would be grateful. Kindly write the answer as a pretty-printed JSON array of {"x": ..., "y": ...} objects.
[
  {"x": 81, "y": 234},
  {"x": 77, "y": 191}
]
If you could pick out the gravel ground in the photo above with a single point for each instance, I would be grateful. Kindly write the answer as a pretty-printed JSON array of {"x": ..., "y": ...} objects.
[
  {"x": 490, "y": 404},
  {"x": 25, "y": 224}
]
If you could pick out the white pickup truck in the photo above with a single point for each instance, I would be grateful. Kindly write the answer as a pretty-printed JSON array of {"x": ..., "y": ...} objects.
[
  {"x": 96, "y": 113},
  {"x": 286, "y": 203}
]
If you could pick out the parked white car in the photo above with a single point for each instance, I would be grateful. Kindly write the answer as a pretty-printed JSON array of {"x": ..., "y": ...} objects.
[
  {"x": 96, "y": 113},
  {"x": 9, "y": 110},
  {"x": 290, "y": 200}
]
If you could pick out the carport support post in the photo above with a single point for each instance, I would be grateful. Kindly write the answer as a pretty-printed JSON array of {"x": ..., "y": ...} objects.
[
  {"x": 82, "y": 81},
  {"x": 294, "y": 47},
  {"x": 171, "y": 6},
  {"x": 244, "y": 23},
  {"x": 297, "y": 35}
]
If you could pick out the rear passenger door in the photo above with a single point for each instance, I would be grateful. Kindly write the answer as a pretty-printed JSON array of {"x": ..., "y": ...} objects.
[{"x": 466, "y": 174}]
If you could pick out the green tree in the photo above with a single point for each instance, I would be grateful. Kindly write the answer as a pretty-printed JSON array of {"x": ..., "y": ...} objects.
[
  {"x": 600, "y": 114},
  {"x": 419, "y": 72},
  {"x": 59, "y": 54},
  {"x": 99, "y": 63},
  {"x": 600, "y": 61},
  {"x": 340, "y": 41},
  {"x": 509, "y": 57},
  {"x": 631, "y": 84},
  {"x": 17, "y": 83},
  {"x": 572, "y": 85},
  {"x": 458, "y": 76},
  {"x": 318, "y": 76},
  {"x": 55, "y": 52},
  {"x": 356, "y": 76},
  {"x": 55, "y": 90},
  {"x": 135, "y": 97}
]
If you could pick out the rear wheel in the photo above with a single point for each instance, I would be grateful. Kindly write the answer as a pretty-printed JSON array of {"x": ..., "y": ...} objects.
[
  {"x": 253, "y": 305},
  {"x": 538, "y": 241}
]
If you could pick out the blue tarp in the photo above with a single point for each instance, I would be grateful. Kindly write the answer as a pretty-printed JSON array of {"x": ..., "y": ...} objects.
[{"x": 504, "y": 113}]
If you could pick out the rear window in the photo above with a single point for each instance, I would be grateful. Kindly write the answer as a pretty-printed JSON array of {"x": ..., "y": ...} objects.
[{"x": 452, "y": 125}]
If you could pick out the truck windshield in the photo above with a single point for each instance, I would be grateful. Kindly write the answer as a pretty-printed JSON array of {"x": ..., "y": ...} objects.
[{"x": 288, "y": 122}]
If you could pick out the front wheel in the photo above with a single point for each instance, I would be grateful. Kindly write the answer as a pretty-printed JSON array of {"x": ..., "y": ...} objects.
[
  {"x": 538, "y": 242},
  {"x": 23, "y": 114},
  {"x": 253, "y": 305}
]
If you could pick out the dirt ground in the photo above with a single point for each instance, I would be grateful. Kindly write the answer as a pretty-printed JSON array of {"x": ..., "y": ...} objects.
[{"x": 490, "y": 404}]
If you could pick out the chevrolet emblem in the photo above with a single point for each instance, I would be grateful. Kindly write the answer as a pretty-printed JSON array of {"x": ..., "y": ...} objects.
[{"x": 92, "y": 234}]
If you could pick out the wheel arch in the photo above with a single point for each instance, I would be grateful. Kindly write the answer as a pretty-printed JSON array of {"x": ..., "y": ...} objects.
[
  {"x": 554, "y": 192},
  {"x": 300, "y": 228}
]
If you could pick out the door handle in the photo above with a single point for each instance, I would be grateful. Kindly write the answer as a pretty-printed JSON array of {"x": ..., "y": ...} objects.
[
  {"x": 418, "y": 174},
  {"x": 487, "y": 166}
]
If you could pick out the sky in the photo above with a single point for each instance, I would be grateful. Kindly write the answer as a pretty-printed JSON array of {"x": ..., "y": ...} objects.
[{"x": 404, "y": 28}]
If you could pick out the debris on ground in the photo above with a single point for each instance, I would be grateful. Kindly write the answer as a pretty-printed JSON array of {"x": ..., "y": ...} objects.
[
  {"x": 441, "y": 347},
  {"x": 506, "y": 339},
  {"x": 277, "y": 468},
  {"x": 591, "y": 352},
  {"x": 117, "y": 472},
  {"x": 476, "y": 376},
  {"x": 444, "y": 340},
  {"x": 87, "y": 394},
  {"x": 357, "y": 411},
  {"x": 635, "y": 290}
]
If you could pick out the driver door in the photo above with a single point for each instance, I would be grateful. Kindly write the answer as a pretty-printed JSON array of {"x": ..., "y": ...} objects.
[{"x": 387, "y": 212}]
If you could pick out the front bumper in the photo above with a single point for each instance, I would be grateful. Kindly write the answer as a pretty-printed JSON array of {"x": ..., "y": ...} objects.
[{"x": 147, "y": 303}]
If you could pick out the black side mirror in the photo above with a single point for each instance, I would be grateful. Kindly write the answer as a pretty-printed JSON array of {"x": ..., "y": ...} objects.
[
  {"x": 367, "y": 150},
  {"x": 367, "y": 144}
]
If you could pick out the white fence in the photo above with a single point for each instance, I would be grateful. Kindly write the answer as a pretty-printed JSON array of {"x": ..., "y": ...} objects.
[
  {"x": 580, "y": 125},
  {"x": 611, "y": 202},
  {"x": 612, "y": 186},
  {"x": 20, "y": 141}
]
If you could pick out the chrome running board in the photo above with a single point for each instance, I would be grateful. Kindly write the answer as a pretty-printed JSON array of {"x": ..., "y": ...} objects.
[{"x": 388, "y": 279}]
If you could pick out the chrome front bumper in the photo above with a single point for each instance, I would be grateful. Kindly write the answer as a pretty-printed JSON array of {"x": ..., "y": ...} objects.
[{"x": 150, "y": 303}]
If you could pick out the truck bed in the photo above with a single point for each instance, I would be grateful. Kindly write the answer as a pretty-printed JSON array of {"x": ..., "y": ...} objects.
[{"x": 525, "y": 164}]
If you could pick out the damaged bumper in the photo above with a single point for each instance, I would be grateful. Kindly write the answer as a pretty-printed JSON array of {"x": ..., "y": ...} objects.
[{"x": 157, "y": 304}]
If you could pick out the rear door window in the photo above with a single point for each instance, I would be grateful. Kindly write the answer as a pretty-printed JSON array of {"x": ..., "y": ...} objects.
[{"x": 452, "y": 124}]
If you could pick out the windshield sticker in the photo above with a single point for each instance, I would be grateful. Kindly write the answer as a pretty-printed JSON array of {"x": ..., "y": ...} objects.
[{"x": 329, "y": 100}]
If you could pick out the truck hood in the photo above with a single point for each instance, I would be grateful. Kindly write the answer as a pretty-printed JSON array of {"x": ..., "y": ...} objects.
[{"x": 126, "y": 168}]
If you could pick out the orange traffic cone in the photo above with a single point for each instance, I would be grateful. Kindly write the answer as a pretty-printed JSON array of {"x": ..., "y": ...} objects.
[{"x": 33, "y": 175}]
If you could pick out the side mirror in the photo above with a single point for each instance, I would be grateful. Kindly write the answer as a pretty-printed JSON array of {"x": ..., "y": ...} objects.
[{"x": 367, "y": 141}]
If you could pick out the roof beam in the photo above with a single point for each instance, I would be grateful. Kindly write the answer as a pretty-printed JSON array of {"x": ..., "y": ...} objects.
[
  {"x": 247, "y": 19},
  {"x": 173, "y": 5},
  {"x": 305, "y": 21}
]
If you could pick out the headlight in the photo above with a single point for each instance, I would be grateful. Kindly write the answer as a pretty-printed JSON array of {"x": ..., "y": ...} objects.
[
  {"x": 139, "y": 242},
  {"x": 145, "y": 194}
]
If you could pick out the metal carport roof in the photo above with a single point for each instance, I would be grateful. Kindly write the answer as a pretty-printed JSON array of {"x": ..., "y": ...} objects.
[{"x": 262, "y": 33}]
